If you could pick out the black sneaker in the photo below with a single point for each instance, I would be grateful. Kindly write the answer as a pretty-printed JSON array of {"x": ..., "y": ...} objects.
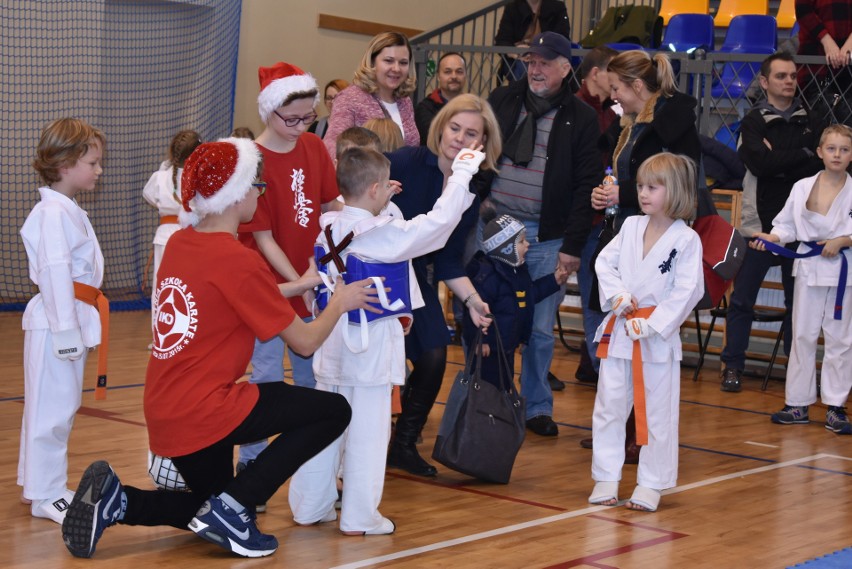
[
  {"x": 732, "y": 380},
  {"x": 234, "y": 531},
  {"x": 97, "y": 504},
  {"x": 543, "y": 425}
]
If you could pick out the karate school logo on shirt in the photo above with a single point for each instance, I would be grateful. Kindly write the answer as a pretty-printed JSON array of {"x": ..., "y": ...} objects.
[
  {"x": 176, "y": 318},
  {"x": 666, "y": 265},
  {"x": 300, "y": 203}
]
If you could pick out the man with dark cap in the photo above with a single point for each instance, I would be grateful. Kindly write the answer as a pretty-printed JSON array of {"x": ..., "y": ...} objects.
[{"x": 549, "y": 166}]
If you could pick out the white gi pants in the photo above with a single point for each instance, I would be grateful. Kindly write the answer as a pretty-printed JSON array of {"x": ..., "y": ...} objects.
[
  {"x": 658, "y": 461},
  {"x": 363, "y": 447},
  {"x": 813, "y": 310},
  {"x": 52, "y": 394}
]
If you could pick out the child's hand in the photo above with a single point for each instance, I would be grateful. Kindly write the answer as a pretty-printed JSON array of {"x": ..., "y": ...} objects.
[
  {"x": 758, "y": 246},
  {"x": 68, "y": 344},
  {"x": 486, "y": 350},
  {"x": 468, "y": 160},
  {"x": 561, "y": 275},
  {"x": 833, "y": 246},
  {"x": 638, "y": 328},
  {"x": 623, "y": 303},
  {"x": 396, "y": 186}
]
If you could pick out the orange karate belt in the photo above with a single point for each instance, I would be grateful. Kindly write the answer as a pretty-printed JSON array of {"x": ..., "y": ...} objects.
[
  {"x": 164, "y": 219},
  {"x": 94, "y": 297},
  {"x": 638, "y": 374}
]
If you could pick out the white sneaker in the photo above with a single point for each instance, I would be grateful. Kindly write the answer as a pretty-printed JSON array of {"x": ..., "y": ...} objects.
[{"x": 52, "y": 509}]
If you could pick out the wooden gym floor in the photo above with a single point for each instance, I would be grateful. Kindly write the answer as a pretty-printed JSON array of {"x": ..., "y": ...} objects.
[{"x": 750, "y": 494}]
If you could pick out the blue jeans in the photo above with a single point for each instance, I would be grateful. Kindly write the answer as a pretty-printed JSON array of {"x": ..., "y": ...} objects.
[
  {"x": 541, "y": 260},
  {"x": 746, "y": 287},
  {"x": 591, "y": 318},
  {"x": 267, "y": 365}
]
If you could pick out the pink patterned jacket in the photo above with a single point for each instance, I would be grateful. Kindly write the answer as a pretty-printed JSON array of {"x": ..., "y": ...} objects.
[{"x": 353, "y": 107}]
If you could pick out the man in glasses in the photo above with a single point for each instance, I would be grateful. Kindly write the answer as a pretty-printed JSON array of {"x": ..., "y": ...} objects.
[{"x": 300, "y": 185}]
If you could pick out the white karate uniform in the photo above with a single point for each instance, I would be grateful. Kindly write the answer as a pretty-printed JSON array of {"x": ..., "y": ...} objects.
[
  {"x": 814, "y": 298},
  {"x": 365, "y": 378},
  {"x": 161, "y": 193},
  {"x": 61, "y": 248},
  {"x": 670, "y": 278}
]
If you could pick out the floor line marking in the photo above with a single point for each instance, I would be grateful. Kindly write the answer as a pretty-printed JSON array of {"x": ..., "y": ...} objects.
[
  {"x": 572, "y": 514},
  {"x": 761, "y": 444}
]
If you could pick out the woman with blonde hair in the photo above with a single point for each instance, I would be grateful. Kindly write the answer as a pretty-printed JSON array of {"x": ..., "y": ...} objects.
[
  {"x": 381, "y": 88},
  {"x": 657, "y": 117},
  {"x": 423, "y": 171}
]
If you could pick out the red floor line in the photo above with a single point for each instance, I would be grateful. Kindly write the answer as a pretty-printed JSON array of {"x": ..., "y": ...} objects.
[
  {"x": 474, "y": 491},
  {"x": 633, "y": 524},
  {"x": 108, "y": 415},
  {"x": 591, "y": 559}
]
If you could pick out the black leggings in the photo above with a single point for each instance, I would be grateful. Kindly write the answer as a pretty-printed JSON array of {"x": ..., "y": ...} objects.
[{"x": 307, "y": 420}]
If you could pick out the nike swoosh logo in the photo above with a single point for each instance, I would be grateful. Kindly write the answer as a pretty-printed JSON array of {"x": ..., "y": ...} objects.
[
  {"x": 241, "y": 534},
  {"x": 109, "y": 504}
]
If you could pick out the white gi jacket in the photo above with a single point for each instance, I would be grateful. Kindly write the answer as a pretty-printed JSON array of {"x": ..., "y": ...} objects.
[
  {"x": 796, "y": 223},
  {"x": 385, "y": 238},
  {"x": 161, "y": 193},
  {"x": 62, "y": 247},
  {"x": 670, "y": 277}
]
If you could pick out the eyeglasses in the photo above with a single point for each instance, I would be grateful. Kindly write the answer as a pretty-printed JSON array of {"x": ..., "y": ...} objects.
[
  {"x": 293, "y": 121},
  {"x": 261, "y": 188}
]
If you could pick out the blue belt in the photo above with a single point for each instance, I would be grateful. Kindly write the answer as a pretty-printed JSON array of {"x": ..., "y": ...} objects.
[{"x": 816, "y": 249}]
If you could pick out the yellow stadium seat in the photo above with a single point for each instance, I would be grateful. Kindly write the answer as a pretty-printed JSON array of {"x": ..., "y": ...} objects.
[
  {"x": 730, "y": 8},
  {"x": 786, "y": 16},
  {"x": 669, "y": 8}
]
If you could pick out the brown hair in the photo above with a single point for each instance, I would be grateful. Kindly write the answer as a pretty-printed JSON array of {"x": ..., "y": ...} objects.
[
  {"x": 62, "y": 143},
  {"x": 183, "y": 143},
  {"x": 243, "y": 132},
  {"x": 360, "y": 168},
  {"x": 469, "y": 102},
  {"x": 677, "y": 173},
  {"x": 657, "y": 73},
  {"x": 365, "y": 75},
  {"x": 388, "y": 133},
  {"x": 339, "y": 84},
  {"x": 357, "y": 136}
]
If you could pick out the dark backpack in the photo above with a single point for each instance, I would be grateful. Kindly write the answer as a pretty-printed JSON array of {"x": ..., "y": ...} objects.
[{"x": 627, "y": 24}]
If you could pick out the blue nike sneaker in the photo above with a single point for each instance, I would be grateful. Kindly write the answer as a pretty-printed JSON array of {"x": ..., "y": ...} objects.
[
  {"x": 234, "y": 531},
  {"x": 97, "y": 504}
]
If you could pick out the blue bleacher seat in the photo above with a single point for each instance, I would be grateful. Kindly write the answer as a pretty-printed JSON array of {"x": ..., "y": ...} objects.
[
  {"x": 686, "y": 32},
  {"x": 746, "y": 34}
]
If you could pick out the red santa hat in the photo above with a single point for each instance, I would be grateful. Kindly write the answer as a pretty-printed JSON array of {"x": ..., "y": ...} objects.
[
  {"x": 215, "y": 176},
  {"x": 279, "y": 82}
]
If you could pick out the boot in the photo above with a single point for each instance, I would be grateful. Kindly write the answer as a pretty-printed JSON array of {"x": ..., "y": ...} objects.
[{"x": 402, "y": 453}]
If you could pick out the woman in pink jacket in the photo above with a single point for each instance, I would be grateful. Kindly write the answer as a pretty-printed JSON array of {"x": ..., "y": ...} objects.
[{"x": 380, "y": 89}]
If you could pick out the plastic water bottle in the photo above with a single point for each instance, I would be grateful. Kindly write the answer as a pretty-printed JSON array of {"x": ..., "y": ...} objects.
[{"x": 610, "y": 180}]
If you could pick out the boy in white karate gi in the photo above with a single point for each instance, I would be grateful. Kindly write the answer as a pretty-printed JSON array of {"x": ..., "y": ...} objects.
[
  {"x": 650, "y": 278},
  {"x": 818, "y": 213},
  {"x": 365, "y": 373},
  {"x": 63, "y": 252}
]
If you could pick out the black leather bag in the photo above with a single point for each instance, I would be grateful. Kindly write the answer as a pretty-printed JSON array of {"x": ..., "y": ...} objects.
[{"x": 483, "y": 426}]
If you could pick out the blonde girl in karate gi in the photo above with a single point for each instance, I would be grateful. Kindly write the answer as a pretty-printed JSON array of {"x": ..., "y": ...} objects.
[
  {"x": 819, "y": 210},
  {"x": 650, "y": 278},
  {"x": 58, "y": 330}
]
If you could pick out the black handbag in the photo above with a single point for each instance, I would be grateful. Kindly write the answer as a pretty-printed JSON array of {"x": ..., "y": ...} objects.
[{"x": 483, "y": 426}]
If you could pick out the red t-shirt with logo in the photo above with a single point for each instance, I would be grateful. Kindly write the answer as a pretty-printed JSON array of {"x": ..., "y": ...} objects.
[
  {"x": 297, "y": 184},
  {"x": 214, "y": 297}
]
